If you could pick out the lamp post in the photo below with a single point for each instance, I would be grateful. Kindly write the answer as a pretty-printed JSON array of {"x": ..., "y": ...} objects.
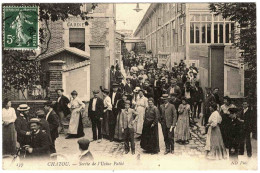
[{"x": 137, "y": 8}]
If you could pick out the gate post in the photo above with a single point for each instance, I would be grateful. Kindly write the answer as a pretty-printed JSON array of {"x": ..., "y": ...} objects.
[{"x": 55, "y": 70}]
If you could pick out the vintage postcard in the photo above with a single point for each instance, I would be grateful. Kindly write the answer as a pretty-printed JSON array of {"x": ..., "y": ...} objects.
[{"x": 129, "y": 86}]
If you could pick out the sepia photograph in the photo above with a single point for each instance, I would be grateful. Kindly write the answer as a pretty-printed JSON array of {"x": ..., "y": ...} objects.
[{"x": 129, "y": 86}]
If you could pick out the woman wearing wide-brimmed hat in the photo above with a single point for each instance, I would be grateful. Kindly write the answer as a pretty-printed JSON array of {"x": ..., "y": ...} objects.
[
  {"x": 76, "y": 129},
  {"x": 9, "y": 132}
]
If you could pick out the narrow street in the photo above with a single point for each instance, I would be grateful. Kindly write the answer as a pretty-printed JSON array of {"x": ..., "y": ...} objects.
[{"x": 112, "y": 156}]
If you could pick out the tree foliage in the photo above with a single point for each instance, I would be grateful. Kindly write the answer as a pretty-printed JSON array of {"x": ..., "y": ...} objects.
[
  {"x": 245, "y": 15},
  {"x": 18, "y": 71}
]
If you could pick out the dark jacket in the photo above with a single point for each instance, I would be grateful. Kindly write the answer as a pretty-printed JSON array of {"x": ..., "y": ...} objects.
[
  {"x": 117, "y": 98},
  {"x": 128, "y": 88},
  {"x": 177, "y": 91},
  {"x": 99, "y": 109},
  {"x": 134, "y": 82},
  {"x": 62, "y": 105},
  {"x": 149, "y": 92},
  {"x": 22, "y": 126},
  {"x": 198, "y": 94},
  {"x": 168, "y": 115},
  {"x": 40, "y": 144},
  {"x": 53, "y": 121},
  {"x": 248, "y": 123},
  {"x": 46, "y": 128}
]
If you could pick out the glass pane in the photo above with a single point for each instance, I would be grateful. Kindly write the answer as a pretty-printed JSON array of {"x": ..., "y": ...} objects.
[
  {"x": 221, "y": 33},
  {"x": 203, "y": 17},
  {"x": 227, "y": 33},
  {"x": 203, "y": 30},
  {"x": 232, "y": 32},
  {"x": 215, "y": 33},
  {"x": 209, "y": 17},
  {"x": 197, "y": 33},
  {"x": 192, "y": 33},
  {"x": 209, "y": 33}
]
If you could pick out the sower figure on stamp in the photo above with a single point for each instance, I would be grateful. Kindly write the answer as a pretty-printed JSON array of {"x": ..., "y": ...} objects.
[
  {"x": 61, "y": 107},
  {"x": 129, "y": 117},
  {"x": 95, "y": 113},
  {"x": 168, "y": 120}
]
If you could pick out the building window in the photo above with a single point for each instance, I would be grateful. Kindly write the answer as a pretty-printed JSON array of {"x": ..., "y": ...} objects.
[
  {"x": 173, "y": 32},
  {"x": 201, "y": 29},
  {"x": 77, "y": 38},
  {"x": 168, "y": 35}
]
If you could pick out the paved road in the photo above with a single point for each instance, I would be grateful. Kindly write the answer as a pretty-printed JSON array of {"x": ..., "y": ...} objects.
[{"x": 190, "y": 156}]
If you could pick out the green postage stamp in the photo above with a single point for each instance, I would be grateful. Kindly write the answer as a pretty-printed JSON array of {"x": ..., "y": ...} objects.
[{"x": 20, "y": 27}]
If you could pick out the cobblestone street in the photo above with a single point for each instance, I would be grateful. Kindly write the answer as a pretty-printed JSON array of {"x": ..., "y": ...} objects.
[{"x": 189, "y": 156}]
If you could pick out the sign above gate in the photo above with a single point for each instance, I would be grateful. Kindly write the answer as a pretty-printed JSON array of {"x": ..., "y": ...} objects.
[{"x": 76, "y": 24}]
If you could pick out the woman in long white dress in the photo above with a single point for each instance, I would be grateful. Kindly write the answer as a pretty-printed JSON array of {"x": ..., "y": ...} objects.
[
  {"x": 76, "y": 129},
  {"x": 215, "y": 148},
  {"x": 140, "y": 105},
  {"x": 9, "y": 132}
]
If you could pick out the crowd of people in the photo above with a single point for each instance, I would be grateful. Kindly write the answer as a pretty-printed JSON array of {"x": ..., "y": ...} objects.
[{"x": 133, "y": 108}]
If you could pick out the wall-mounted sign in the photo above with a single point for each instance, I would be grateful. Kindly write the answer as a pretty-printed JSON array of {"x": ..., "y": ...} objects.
[{"x": 76, "y": 24}]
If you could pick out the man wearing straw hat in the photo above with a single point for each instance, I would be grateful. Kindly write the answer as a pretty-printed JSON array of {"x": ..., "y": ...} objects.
[{"x": 21, "y": 125}]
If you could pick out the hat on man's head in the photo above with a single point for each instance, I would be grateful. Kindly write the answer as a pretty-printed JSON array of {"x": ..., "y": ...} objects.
[
  {"x": 164, "y": 96},
  {"x": 120, "y": 77},
  {"x": 35, "y": 120},
  {"x": 127, "y": 102},
  {"x": 40, "y": 113},
  {"x": 23, "y": 107},
  {"x": 95, "y": 91},
  {"x": 60, "y": 89},
  {"x": 233, "y": 110},
  {"x": 115, "y": 85},
  {"x": 83, "y": 143},
  {"x": 106, "y": 91}
]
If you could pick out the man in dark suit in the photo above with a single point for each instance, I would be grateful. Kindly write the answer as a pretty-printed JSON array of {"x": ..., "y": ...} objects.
[
  {"x": 40, "y": 114},
  {"x": 208, "y": 101},
  {"x": 134, "y": 80},
  {"x": 174, "y": 89},
  {"x": 61, "y": 107},
  {"x": 198, "y": 99},
  {"x": 168, "y": 122},
  {"x": 22, "y": 126},
  {"x": 148, "y": 90},
  {"x": 246, "y": 129},
  {"x": 85, "y": 153},
  {"x": 129, "y": 89},
  {"x": 115, "y": 97},
  {"x": 95, "y": 113},
  {"x": 156, "y": 88},
  {"x": 39, "y": 146},
  {"x": 53, "y": 121}
]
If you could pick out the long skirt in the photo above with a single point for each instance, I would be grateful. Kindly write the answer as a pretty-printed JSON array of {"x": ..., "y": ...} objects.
[
  {"x": 76, "y": 128},
  {"x": 106, "y": 123},
  {"x": 182, "y": 131},
  {"x": 225, "y": 128},
  {"x": 118, "y": 130},
  {"x": 140, "y": 121},
  {"x": 9, "y": 139},
  {"x": 150, "y": 137},
  {"x": 214, "y": 144}
]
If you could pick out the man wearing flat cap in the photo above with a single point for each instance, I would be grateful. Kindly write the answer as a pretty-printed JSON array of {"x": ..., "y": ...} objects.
[
  {"x": 168, "y": 119},
  {"x": 95, "y": 113},
  {"x": 53, "y": 120},
  {"x": 85, "y": 153},
  {"x": 40, "y": 114},
  {"x": 21, "y": 125},
  {"x": 39, "y": 146}
]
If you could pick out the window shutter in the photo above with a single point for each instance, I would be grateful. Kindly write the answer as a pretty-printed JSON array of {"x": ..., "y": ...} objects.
[{"x": 77, "y": 35}]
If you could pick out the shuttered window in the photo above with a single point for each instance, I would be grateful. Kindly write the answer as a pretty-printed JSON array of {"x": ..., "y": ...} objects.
[{"x": 77, "y": 38}]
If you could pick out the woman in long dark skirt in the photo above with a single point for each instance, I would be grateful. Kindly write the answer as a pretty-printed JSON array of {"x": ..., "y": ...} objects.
[{"x": 150, "y": 136}]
